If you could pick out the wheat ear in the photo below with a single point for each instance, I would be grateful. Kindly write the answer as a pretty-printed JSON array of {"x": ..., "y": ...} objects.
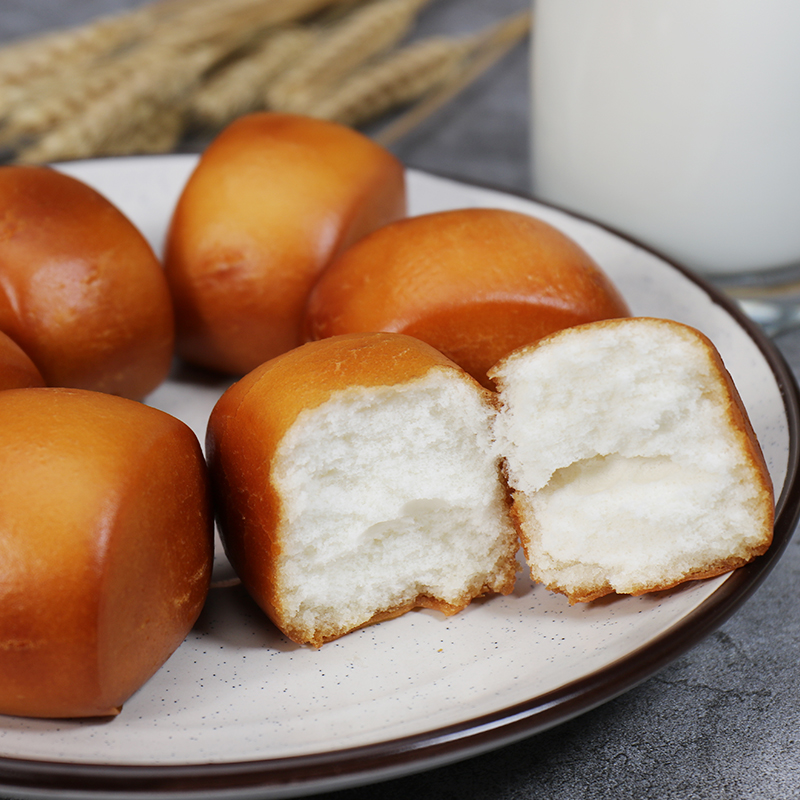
[
  {"x": 203, "y": 20},
  {"x": 366, "y": 32},
  {"x": 434, "y": 69},
  {"x": 38, "y": 66},
  {"x": 151, "y": 84},
  {"x": 52, "y": 52},
  {"x": 157, "y": 129},
  {"x": 399, "y": 78},
  {"x": 170, "y": 61},
  {"x": 157, "y": 132},
  {"x": 238, "y": 87},
  {"x": 493, "y": 45}
]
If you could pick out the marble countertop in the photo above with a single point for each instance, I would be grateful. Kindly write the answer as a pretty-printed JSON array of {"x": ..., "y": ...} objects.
[{"x": 723, "y": 720}]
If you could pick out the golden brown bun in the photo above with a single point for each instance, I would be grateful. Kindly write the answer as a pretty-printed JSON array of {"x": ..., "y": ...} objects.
[
  {"x": 106, "y": 536},
  {"x": 81, "y": 291},
  {"x": 475, "y": 283},
  {"x": 396, "y": 437},
  {"x": 272, "y": 200},
  {"x": 17, "y": 371}
]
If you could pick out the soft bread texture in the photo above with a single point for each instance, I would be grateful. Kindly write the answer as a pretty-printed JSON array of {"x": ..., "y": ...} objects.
[
  {"x": 473, "y": 283},
  {"x": 17, "y": 371},
  {"x": 631, "y": 460},
  {"x": 106, "y": 546},
  {"x": 273, "y": 199},
  {"x": 355, "y": 480},
  {"x": 81, "y": 291}
]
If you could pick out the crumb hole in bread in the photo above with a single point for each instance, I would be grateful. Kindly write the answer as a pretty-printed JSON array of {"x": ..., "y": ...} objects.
[{"x": 629, "y": 518}]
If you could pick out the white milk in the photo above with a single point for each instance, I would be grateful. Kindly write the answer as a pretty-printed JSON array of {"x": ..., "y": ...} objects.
[{"x": 677, "y": 121}]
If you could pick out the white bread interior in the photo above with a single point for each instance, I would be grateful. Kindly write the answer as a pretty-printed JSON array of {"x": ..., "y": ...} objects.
[
  {"x": 390, "y": 498},
  {"x": 631, "y": 461}
]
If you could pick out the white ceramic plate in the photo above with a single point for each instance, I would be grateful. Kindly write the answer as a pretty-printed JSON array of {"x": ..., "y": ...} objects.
[{"x": 239, "y": 711}]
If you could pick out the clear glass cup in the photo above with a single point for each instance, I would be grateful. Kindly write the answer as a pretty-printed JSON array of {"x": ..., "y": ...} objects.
[{"x": 678, "y": 122}]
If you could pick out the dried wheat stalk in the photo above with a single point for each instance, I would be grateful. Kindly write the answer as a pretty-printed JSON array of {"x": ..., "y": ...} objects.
[
  {"x": 158, "y": 132},
  {"x": 397, "y": 79},
  {"x": 153, "y": 129},
  {"x": 74, "y": 118},
  {"x": 238, "y": 87},
  {"x": 369, "y": 30},
  {"x": 209, "y": 19},
  {"x": 34, "y": 68},
  {"x": 52, "y": 52},
  {"x": 151, "y": 83},
  {"x": 212, "y": 61},
  {"x": 412, "y": 72},
  {"x": 338, "y": 11},
  {"x": 17, "y": 96},
  {"x": 494, "y": 44},
  {"x": 24, "y": 62}
]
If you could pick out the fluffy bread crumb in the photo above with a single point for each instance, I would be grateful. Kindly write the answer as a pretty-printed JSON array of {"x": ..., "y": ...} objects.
[
  {"x": 390, "y": 499},
  {"x": 632, "y": 465}
]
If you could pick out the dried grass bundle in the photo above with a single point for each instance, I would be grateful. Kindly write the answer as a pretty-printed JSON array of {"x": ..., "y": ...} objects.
[
  {"x": 51, "y": 53},
  {"x": 76, "y": 118},
  {"x": 156, "y": 132},
  {"x": 139, "y": 91},
  {"x": 397, "y": 79},
  {"x": 368, "y": 31},
  {"x": 135, "y": 82},
  {"x": 238, "y": 87},
  {"x": 414, "y": 71},
  {"x": 493, "y": 44},
  {"x": 42, "y": 56}
]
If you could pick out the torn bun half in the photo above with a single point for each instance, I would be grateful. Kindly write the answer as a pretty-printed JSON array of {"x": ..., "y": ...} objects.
[
  {"x": 355, "y": 480},
  {"x": 631, "y": 461}
]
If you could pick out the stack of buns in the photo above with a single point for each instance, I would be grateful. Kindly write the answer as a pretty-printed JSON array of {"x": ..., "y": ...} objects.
[
  {"x": 470, "y": 379},
  {"x": 289, "y": 229}
]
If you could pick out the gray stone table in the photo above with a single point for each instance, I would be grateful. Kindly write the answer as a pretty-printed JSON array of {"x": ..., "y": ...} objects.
[{"x": 723, "y": 720}]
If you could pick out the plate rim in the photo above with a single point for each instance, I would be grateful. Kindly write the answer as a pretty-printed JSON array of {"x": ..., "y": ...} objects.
[{"x": 293, "y": 776}]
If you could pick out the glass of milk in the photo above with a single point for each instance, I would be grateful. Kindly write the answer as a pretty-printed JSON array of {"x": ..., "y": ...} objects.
[{"x": 678, "y": 122}]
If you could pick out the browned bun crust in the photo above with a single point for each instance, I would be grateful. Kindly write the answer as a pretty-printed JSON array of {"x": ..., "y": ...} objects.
[
  {"x": 474, "y": 283},
  {"x": 273, "y": 199},
  {"x": 17, "y": 371},
  {"x": 251, "y": 418},
  {"x": 81, "y": 291},
  {"x": 107, "y": 546}
]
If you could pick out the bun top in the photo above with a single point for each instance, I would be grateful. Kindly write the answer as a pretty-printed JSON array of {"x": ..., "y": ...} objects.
[
  {"x": 273, "y": 199},
  {"x": 474, "y": 283},
  {"x": 81, "y": 291},
  {"x": 308, "y": 175}
]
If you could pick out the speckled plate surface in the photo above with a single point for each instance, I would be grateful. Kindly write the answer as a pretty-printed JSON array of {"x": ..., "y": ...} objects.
[{"x": 241, "y": 712}]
